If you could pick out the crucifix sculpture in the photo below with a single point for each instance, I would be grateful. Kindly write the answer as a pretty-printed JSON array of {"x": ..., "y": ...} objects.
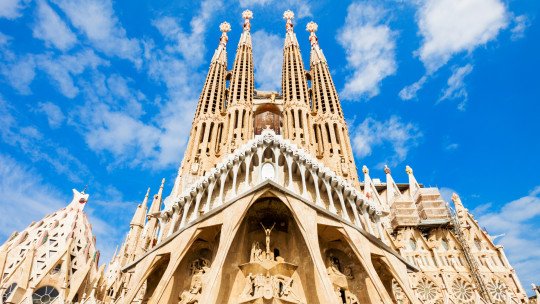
[{"x": 267, "y": 233}]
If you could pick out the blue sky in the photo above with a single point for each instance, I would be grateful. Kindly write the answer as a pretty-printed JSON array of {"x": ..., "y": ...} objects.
[{"x": 103, "y": 93}]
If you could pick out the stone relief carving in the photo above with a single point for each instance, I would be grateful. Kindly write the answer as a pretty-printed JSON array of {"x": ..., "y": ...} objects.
[
  {"x": 339, "y": 280},
  {"x": 268, "y": 277},
  {"x": 198, "y": 269}
]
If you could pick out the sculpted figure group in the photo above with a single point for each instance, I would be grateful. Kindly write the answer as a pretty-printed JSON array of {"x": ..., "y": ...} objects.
[
  {"x": 198, "y": 269},
  {"x": 334, "y": 272}
]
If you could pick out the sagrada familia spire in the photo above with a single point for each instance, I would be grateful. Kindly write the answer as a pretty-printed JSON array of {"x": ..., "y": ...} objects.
[{"x": 268, "y": 207}]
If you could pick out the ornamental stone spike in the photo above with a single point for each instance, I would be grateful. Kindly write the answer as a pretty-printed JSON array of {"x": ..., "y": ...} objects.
[
  {"x": 247, "y": 14},
  {"x": 312, "y": 27},
  {"x": 224, "y": 27},
  {"x": 289, "y": 16}
]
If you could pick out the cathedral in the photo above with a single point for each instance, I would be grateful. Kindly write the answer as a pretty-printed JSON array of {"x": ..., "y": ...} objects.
[{"x": 268, "y": 207}]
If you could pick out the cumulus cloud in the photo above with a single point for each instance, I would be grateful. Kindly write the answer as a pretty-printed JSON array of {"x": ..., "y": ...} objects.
[
  {"x": 449, "y": 27},
  {"x": 11, "y": 9},
  {"x": 400, "y": 136},
  {"x": 190, "y": 45},
  {"x": 19, "y": 73},
  {"x": 50, "y": 28},
  {"x": 520, "y": 24},
  {"x": 409, "y": 92},
  {"x": 97, "y": 20},
  {"x": 456, "y": 88},
  {"x": 268, "y": 57},
  {"x": 516, "y": 220},
  {"x": 114, "y": 132},
  {"x": 370, "y": 45},
  {"x": 55, "y": 116},
  {"x": 61, "y": 69},
  {"x": 113, "y": 107}
]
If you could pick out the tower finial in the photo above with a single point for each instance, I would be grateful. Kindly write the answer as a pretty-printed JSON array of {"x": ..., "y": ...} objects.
[
  {"x": 387, "y": 170},
  {"x": 224, "y": 27},
  {"x": 365, "y": 169},
  {"x": 409, "y": 170},
  {"x": 312, "y": 27},
  {"x": 289, "y": 16},
  {"x": 247, "y": 14}
]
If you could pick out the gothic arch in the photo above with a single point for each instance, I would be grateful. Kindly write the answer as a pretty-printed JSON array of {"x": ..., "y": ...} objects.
[
  {"x": 284, "y": 259},
  {"x": 348, "y": 275},
  {"x": 189, "y": 278},
  {"x": 153, "y": 278}
]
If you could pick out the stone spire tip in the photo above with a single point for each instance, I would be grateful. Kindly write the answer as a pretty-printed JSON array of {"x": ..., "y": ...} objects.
[
  {"x": 312, "y": 27},
  {"x": 387, "y": 170},
  {"x": 408, "y": 169},
  {"x": 162, "y": 183},
  {"x": 289, "y": 16},
  {"x": 247, "y": 14},
  {"x": 224, "y": 27},
  {"x": 365, "y": 169}
]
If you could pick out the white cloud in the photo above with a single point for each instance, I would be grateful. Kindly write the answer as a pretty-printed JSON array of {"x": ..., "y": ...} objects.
[
  {"x": 20, "y": 73},
  {"x": 268, "y": 57},
  {"x": 449, "y": 27},
  {"x": 51, "y": 29},
  {"x": 456, "y": 88},
  {"x": 370, "y": 47},
  {"x": 521, "y": 23},
  {"x": 401, "y": 137},
  {"x": 11, "y": 9},
  {"x": 190, "y": 45},
  {"x": 301, "y": 8},
  {"x": 409, "y": 92},
  {"x": 96, "y": 19},
  {"x": 451, "y": 147},
  {"x": 114, "y": 132},
  {"x": 518, "y": 220},
  {"x": 55, "y": 116},
  {"x": 18, "y": 133},
  {"x": 62, "y": 69},
  {"x": 23, "y": 189}
]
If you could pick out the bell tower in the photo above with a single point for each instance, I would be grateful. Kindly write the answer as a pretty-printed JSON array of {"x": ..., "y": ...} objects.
[
  {"x": 241, "y": 90},
  {"x": 331, "y": 137},
  {"x": 294, "y": 87},
  {"x": 206, "y": 143}
]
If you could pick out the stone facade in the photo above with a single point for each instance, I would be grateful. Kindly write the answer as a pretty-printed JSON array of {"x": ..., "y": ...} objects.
[{"x": 268, "y": 207}]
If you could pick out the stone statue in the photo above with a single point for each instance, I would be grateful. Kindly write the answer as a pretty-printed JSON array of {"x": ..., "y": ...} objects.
[
  {"x": 192, "y": 295},
  {"x": 260, "y": 283},
  {"x": 249, "y": 290},
  {"x": 198, "y": 268},
  {"x": 256, "y": 252},
  {"x": 267, "y": 233}
]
